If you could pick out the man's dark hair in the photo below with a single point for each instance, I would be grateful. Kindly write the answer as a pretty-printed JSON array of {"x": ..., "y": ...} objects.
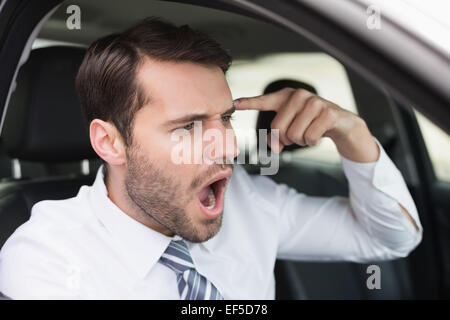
[{"x": 106, "y": 81}]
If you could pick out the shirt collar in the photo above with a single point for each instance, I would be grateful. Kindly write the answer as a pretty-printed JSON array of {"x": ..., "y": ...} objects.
[{"x": 141, "y": 245}]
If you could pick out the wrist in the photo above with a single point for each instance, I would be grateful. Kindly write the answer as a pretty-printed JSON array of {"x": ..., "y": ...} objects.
[
  {"x": 356, "y": 143},
  {"x": 348, "y": 130}
]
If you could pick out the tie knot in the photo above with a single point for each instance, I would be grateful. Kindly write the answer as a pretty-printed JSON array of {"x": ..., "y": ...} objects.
[{"x": 177, "y": 257}]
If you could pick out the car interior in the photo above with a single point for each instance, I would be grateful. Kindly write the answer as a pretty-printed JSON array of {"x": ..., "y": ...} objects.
[{"x": 45, "y": 151}]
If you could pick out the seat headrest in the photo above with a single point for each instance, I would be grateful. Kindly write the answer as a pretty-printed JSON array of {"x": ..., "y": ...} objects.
[
  {"x": 265, "y": 117},
  {"x": 43, "y": 120}
]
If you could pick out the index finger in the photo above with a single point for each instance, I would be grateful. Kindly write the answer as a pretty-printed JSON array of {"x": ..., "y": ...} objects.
[{"x": 266, "y": 102}]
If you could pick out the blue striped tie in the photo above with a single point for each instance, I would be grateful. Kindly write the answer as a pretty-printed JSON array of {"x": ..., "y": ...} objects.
[{"x": 191, "y": 284}]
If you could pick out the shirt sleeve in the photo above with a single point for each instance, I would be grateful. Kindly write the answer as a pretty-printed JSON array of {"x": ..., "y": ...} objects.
[{"x": 367, "y": 226}]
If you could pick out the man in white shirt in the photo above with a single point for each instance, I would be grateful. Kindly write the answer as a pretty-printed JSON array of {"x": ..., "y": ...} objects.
[{"x": 150, "y": 228}]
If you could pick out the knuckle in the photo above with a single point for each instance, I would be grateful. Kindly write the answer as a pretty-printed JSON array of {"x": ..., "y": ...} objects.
[
  {"x": 297, "y": 93},
  {"x": 245, "y": 101},
  {"x": 253, "y": 101},
  {"x": 314, "y": 103},
  {"x": 330, "y": 115},
  {"x": 311, "y": 138},
  {"x": 293, "y": 135},
  {"x": 317, "y": 102},
  {"x": 288, "y": 89},
  {"x": 276, "y": 126}
]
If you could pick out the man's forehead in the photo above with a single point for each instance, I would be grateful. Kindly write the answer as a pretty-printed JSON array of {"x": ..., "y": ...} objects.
[
  {"x": 168, "y": 75},
  {"x": 184, "y": 88}
]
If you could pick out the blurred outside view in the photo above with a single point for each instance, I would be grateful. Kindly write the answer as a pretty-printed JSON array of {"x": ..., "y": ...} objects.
[{"x": 327, "y": 75}]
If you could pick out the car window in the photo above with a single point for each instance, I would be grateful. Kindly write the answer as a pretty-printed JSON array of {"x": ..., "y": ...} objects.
[
  {"x": 250, "y": 78},
  {"x": 438, "y": 146}
]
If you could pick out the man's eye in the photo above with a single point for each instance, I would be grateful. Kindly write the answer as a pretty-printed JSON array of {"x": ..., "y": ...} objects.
[
  {"x": 227, "y": 118},
  {"x": 189, "y": 126}
]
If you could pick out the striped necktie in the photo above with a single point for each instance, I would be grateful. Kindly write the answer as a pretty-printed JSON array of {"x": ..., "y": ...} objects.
[{"x": 191, "y": 284}]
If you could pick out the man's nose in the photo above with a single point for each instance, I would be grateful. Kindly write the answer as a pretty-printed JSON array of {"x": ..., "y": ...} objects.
[{"x": 220, "y": 142}]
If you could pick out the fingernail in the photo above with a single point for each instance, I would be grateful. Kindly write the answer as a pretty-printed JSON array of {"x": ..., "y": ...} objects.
[{"x": 236, "y": 102}]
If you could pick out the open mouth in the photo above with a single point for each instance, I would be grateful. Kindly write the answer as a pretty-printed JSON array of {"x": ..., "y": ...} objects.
[{"x": 211, "y": 195}]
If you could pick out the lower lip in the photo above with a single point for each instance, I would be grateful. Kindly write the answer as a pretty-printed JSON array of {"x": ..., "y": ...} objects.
[{"x": 218, "y": 208}]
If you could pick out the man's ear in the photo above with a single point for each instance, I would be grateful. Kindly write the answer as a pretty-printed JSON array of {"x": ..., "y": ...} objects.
[{"x": 107, "y": 142}]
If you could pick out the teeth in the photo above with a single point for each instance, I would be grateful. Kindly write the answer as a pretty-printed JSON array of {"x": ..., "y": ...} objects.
[{"x": 211, "y": 199}]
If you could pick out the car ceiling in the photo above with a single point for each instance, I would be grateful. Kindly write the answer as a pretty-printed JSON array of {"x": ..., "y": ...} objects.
[{"x": 245, "y": 37}]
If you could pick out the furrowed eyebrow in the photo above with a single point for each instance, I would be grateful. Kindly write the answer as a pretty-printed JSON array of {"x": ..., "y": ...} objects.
[
  {"x": 194, "y": 117},
  {"x": 229, "y": 111}
]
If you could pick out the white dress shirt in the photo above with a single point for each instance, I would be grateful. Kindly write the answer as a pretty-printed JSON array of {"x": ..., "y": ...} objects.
[{"x": 86, "y": 247}]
